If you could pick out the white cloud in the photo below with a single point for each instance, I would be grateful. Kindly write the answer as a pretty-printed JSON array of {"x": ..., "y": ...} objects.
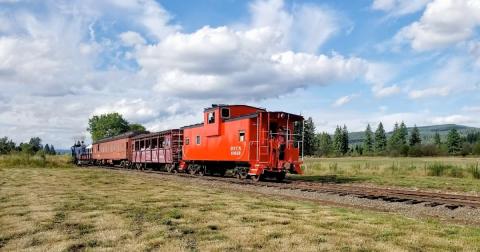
[
  {"x": 305, "y": 28},
  {"x": 471, "y": 109},
  {"x": 380, "y": 91},
  {"x": 452, "y": 119},
  {"x": 399, "y": 7},
  {"x": 444, "y": 22},
  {"x": 380, "y": 74},
  {"x": 248, "y": 63},
  {"x": 344, "y": 100},
  {"x": 453, "y": 76},
  {"x": 131, "y": 38},
  {"x": 429, "y": 92}
]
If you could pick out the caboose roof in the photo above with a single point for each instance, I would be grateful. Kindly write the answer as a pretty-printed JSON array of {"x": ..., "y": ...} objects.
[
  {"x": 121, "y": 136},
  {"x": 154, "y": 134},
  {"x": 215, "y": 106}
]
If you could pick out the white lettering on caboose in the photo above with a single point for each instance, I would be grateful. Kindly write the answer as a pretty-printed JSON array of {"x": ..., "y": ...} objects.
[{"x": 235, "y": 150}]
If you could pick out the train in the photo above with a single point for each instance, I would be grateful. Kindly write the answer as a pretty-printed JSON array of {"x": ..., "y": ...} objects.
[{"x": 245, "y": 141}]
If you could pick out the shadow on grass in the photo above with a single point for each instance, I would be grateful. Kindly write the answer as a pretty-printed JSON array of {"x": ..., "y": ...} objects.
[{"x": 333, "y": 179}]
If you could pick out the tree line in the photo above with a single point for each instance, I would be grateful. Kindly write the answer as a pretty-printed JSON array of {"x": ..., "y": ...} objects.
[
  {"x": 31, "y": 147},
  {"x": 378, "y": 143}
]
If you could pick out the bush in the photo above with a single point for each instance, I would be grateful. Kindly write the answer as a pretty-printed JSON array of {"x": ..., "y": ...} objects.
[
  {"x": 476, "y": 148},
  {"x": 456, "y": 172},
  {"x": 466, "y": 149},
  {"x": 430, "y": 150},
  {"x": 437, "y": 169},
  {"x": 475, "y": 170},
  {"x": 415, "y": 151}
]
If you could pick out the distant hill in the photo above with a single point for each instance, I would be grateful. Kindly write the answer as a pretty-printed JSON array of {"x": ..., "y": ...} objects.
[{"x": 427, "y": 132}]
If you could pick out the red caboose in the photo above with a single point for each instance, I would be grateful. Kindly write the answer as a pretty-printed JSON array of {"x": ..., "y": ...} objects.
[{"x": 251, "y": 141}]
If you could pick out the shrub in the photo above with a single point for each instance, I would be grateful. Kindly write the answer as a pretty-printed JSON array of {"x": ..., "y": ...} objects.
[
  {"x": 456, "y": 172},
  {"x": 476, "y": 148},
  {"x": 415, "y": 151},
  {"x": 430, "y": 150},
  {"x": 475, "y": 170},
  {"x": 437, "y": 169}
]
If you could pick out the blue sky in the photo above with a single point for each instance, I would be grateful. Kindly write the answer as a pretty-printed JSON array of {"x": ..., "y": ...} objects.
[{"x": 160, "y": 62}]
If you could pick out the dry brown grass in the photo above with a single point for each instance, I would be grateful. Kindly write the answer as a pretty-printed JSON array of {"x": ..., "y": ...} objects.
[
  {"x": 403, "y": 172},
  {"x": 72, "y": 209}
]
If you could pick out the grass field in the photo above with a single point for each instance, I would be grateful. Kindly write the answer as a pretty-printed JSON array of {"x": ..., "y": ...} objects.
[
  {"x": 74, "y": 209},
  {"x": 449, "y": 174}
]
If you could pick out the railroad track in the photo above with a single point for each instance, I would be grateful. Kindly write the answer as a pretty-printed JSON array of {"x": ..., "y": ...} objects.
[{"x": 405, "y": 196}]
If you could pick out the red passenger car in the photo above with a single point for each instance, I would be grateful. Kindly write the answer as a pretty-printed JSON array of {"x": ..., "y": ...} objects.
[
  {"x": 158, "y": 150},
  {"x": 251, "y": 141},
  {"x": 114, "y": 150}
]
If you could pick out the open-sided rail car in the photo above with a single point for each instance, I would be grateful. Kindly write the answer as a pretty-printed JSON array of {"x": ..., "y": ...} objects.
[
  {"x": 251, "y": 141},
  {"x": 158, "y": 150},
  {"x": 114, "y": 150}
]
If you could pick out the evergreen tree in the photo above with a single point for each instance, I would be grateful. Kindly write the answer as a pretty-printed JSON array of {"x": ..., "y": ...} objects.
[
  {"x": 309, "y": 137},
  {"x": 415, "y": 138},
  {"x": 403, "y": 134},
  {"x": 437, "y": 140},
  {"x": 380, "y": 139},
  {"x": 368, "y": 141},
  {"x": 345, "y": 148},
  {"x": 454, "y": 143},
  {"x": 395, "y": 138},
  {"x": 46, "y": 149},
  {"x": 52, "y": 150},
  {"x": 324, "y": 144},
  {"x": 338, "y": 141}
]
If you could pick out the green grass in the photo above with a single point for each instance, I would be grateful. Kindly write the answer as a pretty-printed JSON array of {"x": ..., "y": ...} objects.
[
  {"x": 73, "y": 209},
  {"x": 35, "y": 161},
  {"x": 451, "y": 174}
]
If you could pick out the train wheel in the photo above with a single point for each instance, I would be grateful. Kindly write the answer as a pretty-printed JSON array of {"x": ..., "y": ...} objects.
[
  {"x": 242, "y": 173},
  {"x": 256, "y": 178},
  {"x": 192, "y": 169},
  {"x": 202, "y": 171},
  {"x": 138, "y": 166}
]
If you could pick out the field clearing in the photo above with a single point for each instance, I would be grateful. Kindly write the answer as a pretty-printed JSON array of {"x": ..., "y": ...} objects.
[
  {"x": 440, "y": 173},
  {"x": 73, "y": 209}
]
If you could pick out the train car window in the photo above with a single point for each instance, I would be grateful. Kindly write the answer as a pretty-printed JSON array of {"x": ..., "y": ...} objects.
[
  {"x": 211, "y": 117},
  {"x": 137, "y": 146},
  {"x": 147, "y": 144},
  {"x": 241, "y": 135},
  {"x": 161, "y": 142},
  {"x": 98, "y": 147},
  {"x": 142, "y": 144},
  {"x": 187, "y": 141},
  {"x": 126, "y": 146},
  {"x": 198, "y": 140},
  {"x": 225, "y": 113},
  {"x": 154, "y": 143}
]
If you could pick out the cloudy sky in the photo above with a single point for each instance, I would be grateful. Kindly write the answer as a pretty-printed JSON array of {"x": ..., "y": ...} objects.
[{"x": 160, "y": 62}]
